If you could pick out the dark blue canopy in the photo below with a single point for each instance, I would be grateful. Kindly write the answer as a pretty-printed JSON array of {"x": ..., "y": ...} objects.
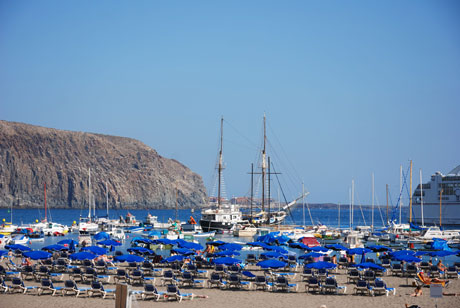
[
  {"x": 406, "y": 258},
  {"x": 370, "y": 265},
  {"x": 175, "y": 258},
  {"x": 276, "y": 248},
  {"x": 318, "y": 249},
  {"x": 18, "y": 247},
  {"x": 55, "y": 247},
  {"x": 67, "y": 242},
  {"x": 82, "y": 255},
  {"x": 312, "y": 254},
  {"x": 129, "y": 258},
  {"x": 358, "y": 251},
  {"x": 248, "y": 274},
  {"x": 227, "y": 261},
  {"x": 37, "y": 254},
  {"x": 442, "y": 253},
  {"x": 231, "y": 246},
  {"x": 109, "y": 243},
  {"x": 101, "y": 236},
  {"x": 165, "y": 241},
  {"x": 189, "y": 245},
  {"x": 271, "y": 263},
  {"x": 336, "y": 247},
  {"x": 299, "y": 246},
  {"x": 3, "y": 252},
  {"x": 273, "y": 254},
  {"x": 216, "y": 243},
  {"x": 95, "y": 249},
  {"x": 141, "y": 250},
  {"x": 184, "y": 251},
  {"x": 227, "y": 253},
  {"x": 379, "y": 248},
  {"x": 321, "y": 265}
]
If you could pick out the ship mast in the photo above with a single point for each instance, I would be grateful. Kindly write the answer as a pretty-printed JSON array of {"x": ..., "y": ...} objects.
[
  {"x": 410, "y": 190},
  {"x": 89, "y": 193},
  {"x": 220, "y": 167},
  {"x": 46, "y": 220},
  {"x": 440, "y": 207},
  {"x": 421, "y": 197},
  {"x": 263, "y": 168}
]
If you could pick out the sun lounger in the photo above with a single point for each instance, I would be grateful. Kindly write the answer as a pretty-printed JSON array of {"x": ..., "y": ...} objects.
[
  {"x": 396, "y": 269},
  {"x": 421, "y": 280},
  {"x": 70, "y": 287},
  {"x": 168, "y": 278},
  {"x": 306, "y": 274},
  {"x": 151, "y": 292},
  {"x": 215, "y": 280},
  {"x": 27, "y": 272},
  {"x": 234, "y": 281},
  {"x": 3, "y": 287},
  {"x": 42, "y": 273},
  {"x": 452, "y": 272},
  {"x": 173, "y": 293},
  {"x": 18, "y": 285},
  {"x": 282, "y": 284},
  {"x": 380, "y": 287},
  {"x": 261, "y": 282},
  {"x": 187, "y": 279},
  {"x": 89, "y": 274},
  {"x": 353, "y": 275},
  {"x": 362, "y": 287},
  {"x": 47, "y": 285},
  {"x": 121, "y": 275},
  {"x": 330, "y": 286},
  {"x": 136, "y": 277},
  {"x": 313, "y": 284},
  {"x": 434, "y": 272},
  {"x": 98, "y": 289}
]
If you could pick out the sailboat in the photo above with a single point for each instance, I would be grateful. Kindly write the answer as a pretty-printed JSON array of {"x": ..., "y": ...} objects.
[
  {"x": 87, "y": 225},
  {"x": 221, "y": 216}
]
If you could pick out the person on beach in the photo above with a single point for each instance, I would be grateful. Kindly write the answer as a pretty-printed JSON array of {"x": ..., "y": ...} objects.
[
  {"x": 334, "y": 259},
  {"x": 417, "y": 292},
  {"x": 441, "y": 267},
  {"x": 428, "y": 280}
]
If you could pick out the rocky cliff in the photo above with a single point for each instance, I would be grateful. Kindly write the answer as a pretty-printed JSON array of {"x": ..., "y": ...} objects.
[{"x": 136, "y": 176}]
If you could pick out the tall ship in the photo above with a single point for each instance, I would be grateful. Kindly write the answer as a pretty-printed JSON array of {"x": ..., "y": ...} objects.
[{"x": 438, "y": 201}]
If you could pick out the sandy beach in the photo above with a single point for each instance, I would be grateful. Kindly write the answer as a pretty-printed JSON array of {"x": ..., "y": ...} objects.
[{"x": 249, "y": 299}]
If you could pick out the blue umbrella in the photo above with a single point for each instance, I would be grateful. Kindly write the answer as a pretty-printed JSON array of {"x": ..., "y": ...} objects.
[
  {"x": 442, "y": 253},
  {"x": 402, "y": 252},
  {"x": 55, "y": 247},
  {"x": 248, "y": 274},
  {"x": 189, "y": 245},
  {"x": 3, "y": 252},
  {"x": 227, "y": 261},
  {"x": 312, "y": 254},
  {"x": 101, "y": 236},
  {"x": 336, "y": 247},
  {"x": 141, "y": 250},
  {"x": 321, "y": 265},
  {"x": 258, "y": 244},
  {"x": 231, "y": 246},
  {"x": 358, "y": 251},
  {"x": 183, "y": 251},
  {"x": 318, "y": 249},
  {"x": 370, "y": 265},
  {"x": 176, "y": 258},
  {"x": 216, "y": 243},
  {"x": 273, "y": 254},
  {"x": 406, "y": 258},
  {"x": 227, "y": 253},
  {"x": 67, "y": 242},
  {"x": 271, "y": 263},
  {"x": 129, "y": 258},
  {"x": 379, "y": 248},
  {"x": 165, "y": 241},
  {"x": 109, "y": 243},
  {"x": 37, "y": 255},
  {"x": 18, "y": 247},
  {"x": 95, "y": 249},
  {"x": 299, "y": 246},
  {"x": 276, "y": 248},
  {"x": 82, "y": 255}
]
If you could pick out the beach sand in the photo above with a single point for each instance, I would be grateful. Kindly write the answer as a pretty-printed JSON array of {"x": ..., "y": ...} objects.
[{"x": 250, "y": 299}]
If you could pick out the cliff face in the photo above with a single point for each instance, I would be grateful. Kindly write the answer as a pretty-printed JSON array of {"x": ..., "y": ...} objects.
[{"x": 136, "y": 176}]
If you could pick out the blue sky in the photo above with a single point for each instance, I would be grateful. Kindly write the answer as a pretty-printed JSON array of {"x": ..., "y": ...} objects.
[{"x": 348, "y": 87}]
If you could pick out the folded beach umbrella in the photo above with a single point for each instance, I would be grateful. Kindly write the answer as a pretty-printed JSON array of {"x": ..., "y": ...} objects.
[
  {"x": 312, "y": 254},
  {"x": 336, "y": 247},
  {"x": 273, "y": 254},
  {"x": 95, "y": 249},
  {"x": 231, "y": 246},
  {"x": 227, "y": 253},
  {"x": 370, "y": 265},
  {"x": 227, "y": 261},
  {"x": 318, "y": 249},
  {"x": 18, "y": 247},
  {"x": 176, "y": 258},
  {"x": 321, "y": 265},
  {"x": 101, "y": 236},
  {"x": 189, "y": 245},
  {"x": 358, "y": 251},
  {"x": 141, "y": 250},
  {"x": 379, "y": 248},
  {"x": 55, "y": 247},
  {"x": 183, "y": 251},
  {"x": 271, "y": 263},
  {"x": 129, "y": 258},
  {"x": 82, "y": 255},
  {"x": 109, "y": 243},
  {"x": 37, "y": 254}
]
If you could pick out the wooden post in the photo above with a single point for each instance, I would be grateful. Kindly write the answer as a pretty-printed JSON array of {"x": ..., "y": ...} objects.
[{"x": 121, "y": 294}]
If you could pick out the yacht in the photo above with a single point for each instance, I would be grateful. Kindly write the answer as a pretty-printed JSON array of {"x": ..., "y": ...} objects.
[
  {"x": 438, "y": 201},
  {"x": 436, "y": 232}
]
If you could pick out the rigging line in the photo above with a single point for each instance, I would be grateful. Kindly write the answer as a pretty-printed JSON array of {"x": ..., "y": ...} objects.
[
  {"x": 282, "y": 191},
  {"x": 360, "y": 207},
  {"x": 241, "y": 134},
  {"x": 380, "y": 212},
  {"x": 287, "y": 167},
  {"x": 395, "y": 209},
  {"x": 229, "y": 141},
  {"x": 287, "y": 173},
  {"x": 282, "y": 149}
]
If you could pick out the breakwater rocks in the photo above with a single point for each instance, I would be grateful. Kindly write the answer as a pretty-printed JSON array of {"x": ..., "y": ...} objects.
[{"x": 136, "y": 176}]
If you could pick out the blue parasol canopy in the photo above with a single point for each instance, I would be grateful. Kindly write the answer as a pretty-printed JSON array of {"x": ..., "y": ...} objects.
[
  {"x": 227, "y": 261},
  {"x": 276, "y": 248},
  {"x": 95, "y": 249},
  {"x": 176, "y": 258},
  {"x": 67, "y": 242},
  {"x": 82, "y": 255},
  {"x": 358, "y": 251},
  {"x": 165, "y": 241},
  {"x": 109, "y": 243},
  {"x": 101, "y": 236},
  {"x": 370, "y": 265},
  {"x": 271, "y": 263},
  {"x": 37, "y": 254},
  {"x": 184, "y": 251},
  {"x": 273, "y": 254},
  {"x": 299, "y": 246},
  {"x": 216, "y": 243},
  {"x": 318, "y": 249},
  {"x": 231, "y": 246},
  {"x": 227, "y": 253},
  {"x": 321, "y": 265},
  {"x": 189, "y": 245},
  {"x": 379, "y": 248},
  {"x": 406, "y": 258},
  {"x": 3, "y": 252},
  {"x": 248, "y": 274},
  {"x": 129, "y": 258},
  {"x": 312, "y": 254},
  {"x": 55, "y": 247},
  {"x": 336, "y": 247},
  {"x": 141, "y": 250},
  {"x": 18, "y": 247},
  {"x": 442, "y": 253},
  {"x": 402, "y": 252}
]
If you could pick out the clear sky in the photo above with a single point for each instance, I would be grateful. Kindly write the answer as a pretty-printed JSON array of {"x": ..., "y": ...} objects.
[{"x": 348, "y": 87}]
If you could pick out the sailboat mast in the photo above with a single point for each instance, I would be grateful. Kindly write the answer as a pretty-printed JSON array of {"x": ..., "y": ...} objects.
[
  {"x": 421, "y": 197},
  {"x": 349, "y": 199},
  {"x": 303, "y": 203},
  {"x": 89, "y": 192},
  {"x": 410, "y": 197},
  {"x": 176, "y": 204},
  {"x": 372, "y": 202},
  {"x": 107, "y": 198},
  {"x": 440, "y": 207},
  {"x": 388, "y": 222},
  {"x": 263, "y": 168},
  {"x": 352, "y": 200},
  {"x": 46, "y": 219},
  {"x": 339, "y": 215},
  {"x": 268, "y": 184},
  {"x": 220, "y": 161},
  {"x": 400, "y": 192},
  {"x": 252, "y": 187}
]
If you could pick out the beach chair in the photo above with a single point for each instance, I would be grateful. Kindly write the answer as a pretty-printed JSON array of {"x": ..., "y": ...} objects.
[
  {"x": 353, "y": 275},
  {"x": 132, "y": 266},
  {"x": 42, "y": 273},
  {"x": 3, "y": 287},
  {"x": 70, "y": 287},
  {"x": 327, "y": 259},
  {"x": 410, "y": 272},
  {"x": 147, "y": 268},
  {"x": 322, "y": 274},
  {"x": 234, "y": 281},
  {"x": 173, "y": 293},
  {"x": 101, "y": 267},
  {"x": 168, "y": 278},
  {"x": 313, "y": 285},
  {"x": 88, "y": 263},
  {"x": 47, "y": 285},
  {"x": 330, "y": 286},
  {"x": 420, "y": 280},
  {"x": 362, "y": 287},
  {"x": 60, "y": 266},
  {"x": 434, "y": 272},
  {"x": 176, "y": 268},
  {"x": 425, "y": 266},
  {"x": 76, "y": 274},
  {"x": 2, "y": 272},
  {"x": 251, "y": 259},
  {"x": 121, "y": 275},
  {"x": 369, "y": 275},
  {"x": 396, "y": 269},
  {"x": 89, "y": 274},
  {"x": 343, "y": 262},
  {"x": 18, "y": 285},
  {"x": 282, "y": 284},
  {"x": 219, "y": 268},
  {"x": 261, "y": 283},
  {"x": 27, "y": 272},
  {"x": 48, "y": 263},
  {"x": 292, "y": 261},
  {"x": 151, "y": 292},
  {"x": 386, "y": 264},
  {"x": 233, "y": 269},
  {"x": 215, "y": 280},
  {"x": 136, "y": 277},
  {"x": 451, "y": 272},
  {"x": 306, "y": 274},
  {"x": 380, "y": 287},
  {"x": 98, "y": 289},
  {"x": 187, "y": 279}
]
